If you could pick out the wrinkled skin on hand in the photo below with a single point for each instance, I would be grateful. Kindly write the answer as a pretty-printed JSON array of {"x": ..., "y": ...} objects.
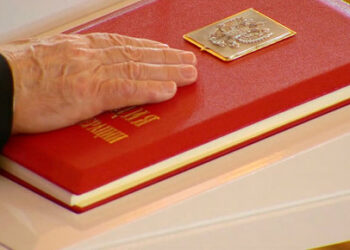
[{"x": 64, "y": 79}]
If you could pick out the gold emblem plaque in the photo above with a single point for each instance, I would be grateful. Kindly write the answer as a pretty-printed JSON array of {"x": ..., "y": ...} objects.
[{"x": 238, "y": 35}]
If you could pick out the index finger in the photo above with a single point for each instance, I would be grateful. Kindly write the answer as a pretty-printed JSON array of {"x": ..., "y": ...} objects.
[{"x": 106, "y": 40}]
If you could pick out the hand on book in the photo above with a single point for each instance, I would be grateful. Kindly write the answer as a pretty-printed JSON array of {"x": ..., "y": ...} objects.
[{"x": 63, "y": 79}]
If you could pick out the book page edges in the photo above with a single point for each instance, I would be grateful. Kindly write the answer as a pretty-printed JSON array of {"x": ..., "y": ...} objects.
[
  {"x": 34, "y": 179},
  {"x": 178, "y": 161}
]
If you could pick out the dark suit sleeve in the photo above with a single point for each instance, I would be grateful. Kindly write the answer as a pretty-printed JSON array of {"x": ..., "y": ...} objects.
[{"x": 6, "y": 101}]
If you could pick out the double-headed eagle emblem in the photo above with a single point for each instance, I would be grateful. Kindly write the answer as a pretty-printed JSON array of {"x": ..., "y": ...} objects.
[{"x": 238, "y": 31}]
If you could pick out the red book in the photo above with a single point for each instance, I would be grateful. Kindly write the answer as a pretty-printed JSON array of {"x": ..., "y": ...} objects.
[{"x": 232, "y": 104}]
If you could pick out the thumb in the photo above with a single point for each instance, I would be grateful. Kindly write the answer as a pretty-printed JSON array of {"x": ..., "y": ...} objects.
[{"x": 120, "y": 93}]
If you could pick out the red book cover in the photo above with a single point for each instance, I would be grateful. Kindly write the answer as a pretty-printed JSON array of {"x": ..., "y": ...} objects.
[{"x": 248, "y": 99}]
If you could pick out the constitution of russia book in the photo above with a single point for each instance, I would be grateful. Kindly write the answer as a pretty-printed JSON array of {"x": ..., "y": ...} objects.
[{"x": 232, "y": 104}]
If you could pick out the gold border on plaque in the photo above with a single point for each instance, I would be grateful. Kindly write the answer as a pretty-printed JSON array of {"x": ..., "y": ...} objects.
[{"x": 200, "y": 37}]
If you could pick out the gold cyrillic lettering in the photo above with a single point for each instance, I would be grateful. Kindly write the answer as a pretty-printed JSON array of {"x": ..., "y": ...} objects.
[
  {"x": 135, "y": 114},
  {"x": 117, "y": 138},
  {"x": 117, "y": 113},
  {"x": 88, "y": 123},
  {"x": 96, "y": 128},
  {"x": 145, "y": 120},
  {"x": 103, "y": 131}
]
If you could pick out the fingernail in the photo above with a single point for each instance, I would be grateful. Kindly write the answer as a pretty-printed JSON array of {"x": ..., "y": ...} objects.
[
  {"x": 169, "y": 87},
  {"x": 188, "y": 58},
  {"x": 163, "y": 45},
  {"x": 189, "y": 72}
]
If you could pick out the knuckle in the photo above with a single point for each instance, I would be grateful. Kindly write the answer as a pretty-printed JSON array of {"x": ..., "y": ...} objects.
[
  {"x": 164, "y": 55},
  {"x": 133, "y": 70},
  {"x": 126, "y": 88},
  {"x": 41, "y": 50},
  {"x": 95, "y": 35},
  {"x": 105, "y": 39},
  {"x": 114, "y": 39},
  {"x": 96, "y": 38},
  {"x": 79, "y": 52},
  {"x": 65, "y": 44},
  {"x": 132, "y": 53},
  {"x": 64, "y": 37},
  {"x": 39, "y": 47}
]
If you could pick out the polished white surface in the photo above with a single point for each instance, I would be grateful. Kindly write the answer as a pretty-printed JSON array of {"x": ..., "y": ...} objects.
[
  {"x": 288, "y": 191},
  {"x": 303, "y": 166},
  {"x": 23, "y": 18},
  {"x": 270, "y": 230}
]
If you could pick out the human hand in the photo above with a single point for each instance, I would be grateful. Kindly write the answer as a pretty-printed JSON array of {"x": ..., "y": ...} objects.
[{"x": 64, "y": 79}]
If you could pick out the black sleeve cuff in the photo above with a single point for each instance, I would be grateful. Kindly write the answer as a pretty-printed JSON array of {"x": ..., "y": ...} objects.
[{"x": 6, "y": 101}]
